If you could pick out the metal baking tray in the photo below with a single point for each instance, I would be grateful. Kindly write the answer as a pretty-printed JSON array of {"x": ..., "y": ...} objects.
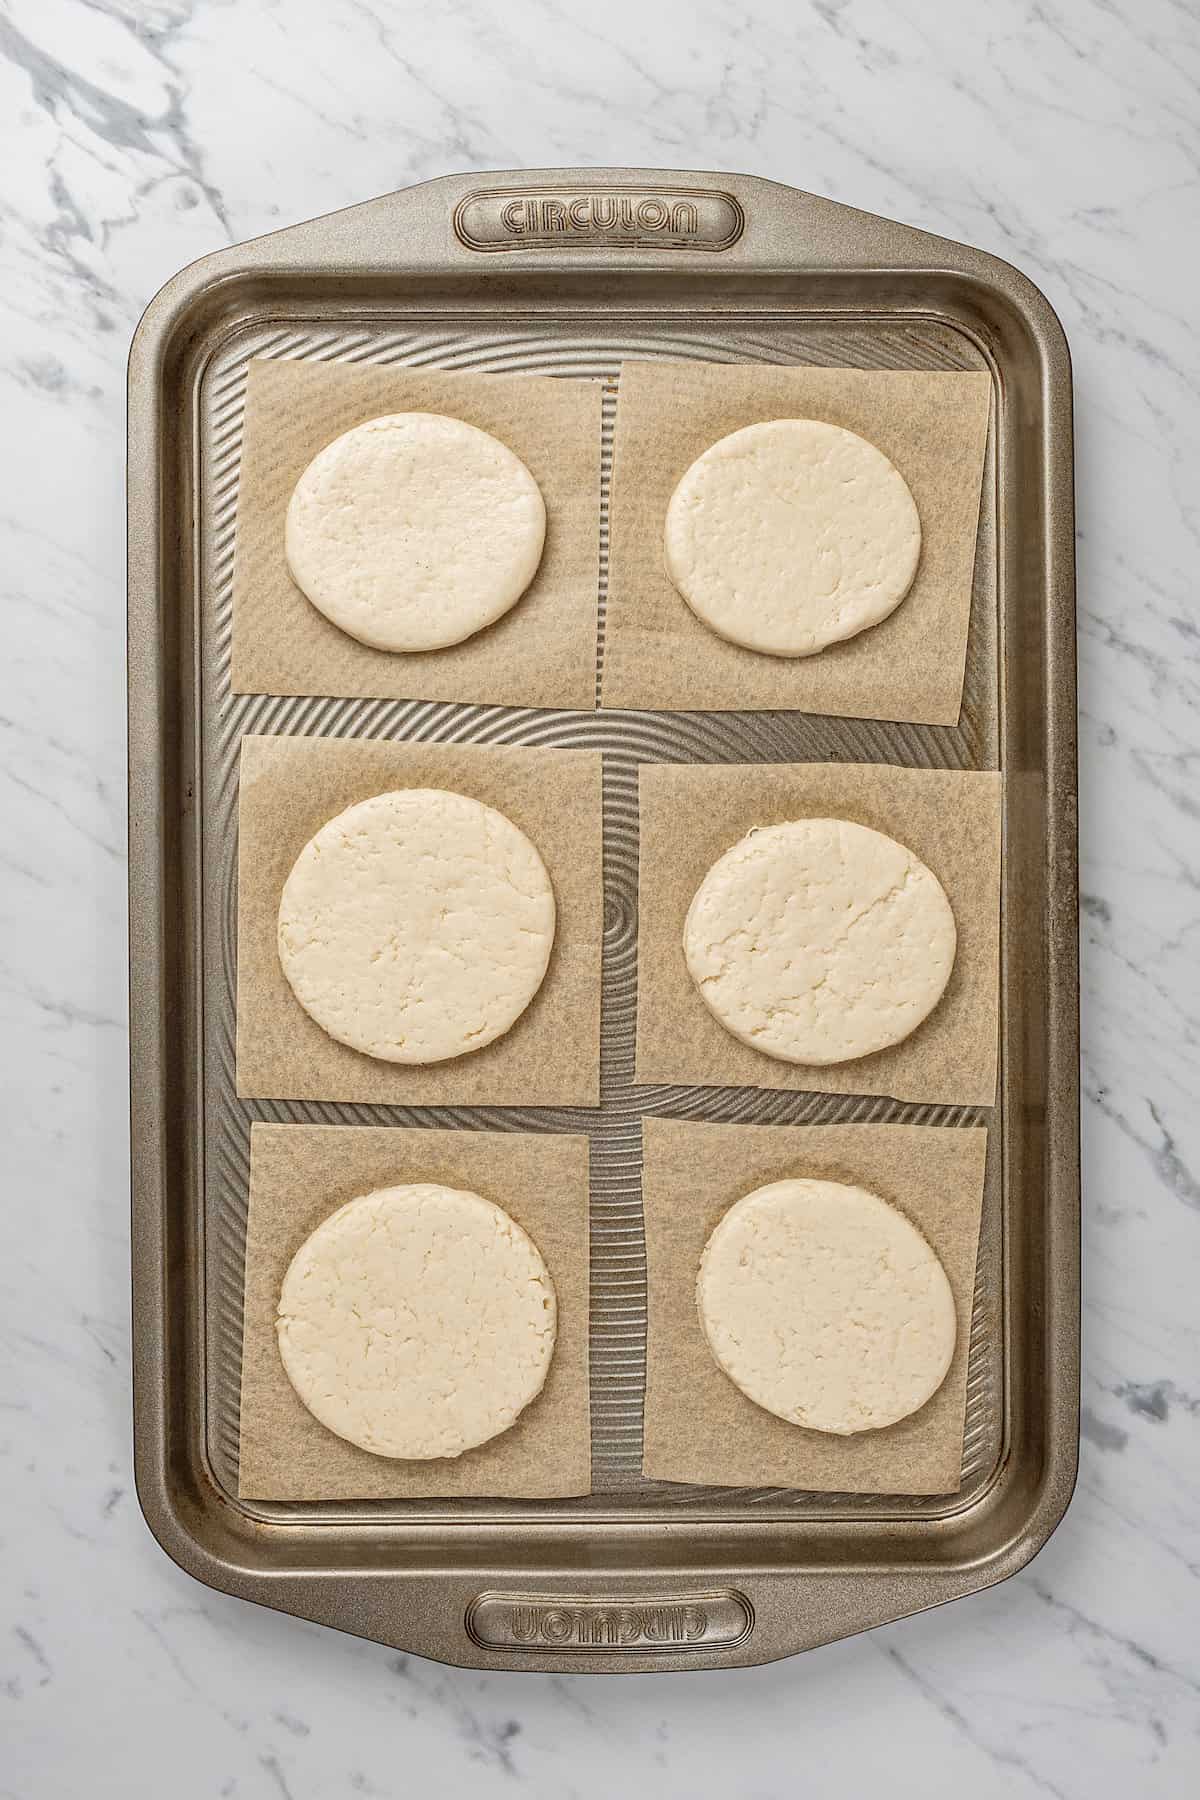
[{"x": 567, "y": 272}]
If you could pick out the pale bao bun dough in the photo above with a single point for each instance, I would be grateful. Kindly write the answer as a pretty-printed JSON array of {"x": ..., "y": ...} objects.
[
  {"x": 791, "y": 535},
  {"x": 417, "y": 1321},
  {"x": 416, "y": 925},
  {"x": 414, "y": 531},
  {"x": 820, "y": 941},
  {"x": 825, "y": 1306}
]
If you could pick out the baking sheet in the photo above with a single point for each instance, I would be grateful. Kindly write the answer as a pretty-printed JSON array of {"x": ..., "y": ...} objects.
[
  {"x": 910, "y": 666},
  {"x": 290, "y": 786},
  {"x": 299, "y": 1174},
  {"x": 541, "y": 653},
  {"x": 809, "y": 283},
  {"x": 699, "y": 1427},
  {"x": 690, "y": 814}
]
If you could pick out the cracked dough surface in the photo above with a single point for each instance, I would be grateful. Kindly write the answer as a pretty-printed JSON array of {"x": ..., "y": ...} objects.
[
  {"x": 414, "y": 531},
  {"x": 825, "y": 1306},
  {"x": 417, "y": 925},
  {"x": 820, "y": 940},
  {"x": 417, "y": 1321},
  {"x": 790, "y": 535}
]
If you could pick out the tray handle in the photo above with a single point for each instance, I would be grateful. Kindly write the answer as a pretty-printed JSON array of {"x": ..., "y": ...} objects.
[{"x": 585, "y": 218}]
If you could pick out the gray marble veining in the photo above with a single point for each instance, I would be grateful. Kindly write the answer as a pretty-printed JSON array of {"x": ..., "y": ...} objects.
[{"x": 138, "y": 134}]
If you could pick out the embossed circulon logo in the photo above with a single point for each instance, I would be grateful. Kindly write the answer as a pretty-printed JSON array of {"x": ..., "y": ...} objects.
[
  {"x": 662, "y": 1623},
  {"x": 671, "y": 218}
]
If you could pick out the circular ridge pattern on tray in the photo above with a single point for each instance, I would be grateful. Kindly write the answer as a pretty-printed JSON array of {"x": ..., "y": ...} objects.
[{"x": 617, "y": 1328}]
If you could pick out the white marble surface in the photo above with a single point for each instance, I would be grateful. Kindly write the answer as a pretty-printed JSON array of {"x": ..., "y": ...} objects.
[{"x": 1063, "y": 134}]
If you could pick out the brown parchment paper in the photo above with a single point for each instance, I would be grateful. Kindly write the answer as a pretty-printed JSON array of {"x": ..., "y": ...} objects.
[
  {"x": 700, "y": 1427},
  {"x": 691, "y": 814},
  {"x": 541, "y": 653},
  {"x": 910, "y": 666},
  {"x": 289, "y": 788},
  {"x": 299, "y": 1174}
]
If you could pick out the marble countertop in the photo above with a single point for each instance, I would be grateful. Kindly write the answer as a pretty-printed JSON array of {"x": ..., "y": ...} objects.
[{"x": 1061, "y": 134}]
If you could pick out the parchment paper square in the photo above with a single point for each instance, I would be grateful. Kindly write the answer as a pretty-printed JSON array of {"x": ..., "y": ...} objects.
[
  {"x": 291, "y": 786},
  {"x": 299, "y": 1174},
  {"x": 691, "y": 814},
  {"x": 541, "y": 653},
  {"x": 692, "y": 1175},
  {"x": 658, "y": 655}
]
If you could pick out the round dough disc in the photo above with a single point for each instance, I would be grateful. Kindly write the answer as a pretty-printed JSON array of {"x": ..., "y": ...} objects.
[
  {"x": 416, "y": 925},
  {"x": 820, "y": 941},
  {"x": 791, "y": 535},
  {"x": 417, "y": 1321},
  {"x": 825, "y": 1306},
  {"x": 414, "y": 531}
]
